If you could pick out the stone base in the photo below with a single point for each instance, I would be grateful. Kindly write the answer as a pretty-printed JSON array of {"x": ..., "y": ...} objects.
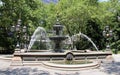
[
  {"x": 109, "y": 58},
  {"x": 36, "y": 57},
  {"x": 16, "y": 61},
  {"x": 17, "y": 50},
  {"x": 58, "y": 51},
  {"x": 71, "y": 67},
  {"x": 23, "y": 50}
]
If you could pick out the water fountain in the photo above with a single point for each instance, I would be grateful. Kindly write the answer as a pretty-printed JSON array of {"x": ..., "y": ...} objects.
[
  {"x": 58, "y": 38},
  {"x": 39, "y": 34},
  {"x": 50, "y": 57},
  {"x": 89, "y": 39}
]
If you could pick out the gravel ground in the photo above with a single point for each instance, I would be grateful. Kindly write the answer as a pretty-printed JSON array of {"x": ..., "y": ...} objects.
[
  {"x": 112, "y": 68},
  {"x": 40, "y": 71}
]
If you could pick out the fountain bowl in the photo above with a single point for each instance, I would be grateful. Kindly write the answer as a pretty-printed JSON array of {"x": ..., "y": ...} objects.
[
  {"x": 58, "y": 38},
  {"x": 71, "y": 67}
]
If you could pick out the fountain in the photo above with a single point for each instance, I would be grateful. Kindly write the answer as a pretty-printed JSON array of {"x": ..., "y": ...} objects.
[
  {"x": 54, "y": 57},
  {"x": 39, "y": 34},
  {"x": 85, "y": 36},
  {"x": 58, "y": 38}
]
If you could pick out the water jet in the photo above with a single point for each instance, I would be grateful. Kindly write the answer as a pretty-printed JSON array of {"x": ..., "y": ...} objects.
[{"x": 53, "y": 56}]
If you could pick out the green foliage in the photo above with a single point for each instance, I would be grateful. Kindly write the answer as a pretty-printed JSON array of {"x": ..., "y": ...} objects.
[
  {"x": 86, "y": 16},
  {"x": 11, "y": 11}
]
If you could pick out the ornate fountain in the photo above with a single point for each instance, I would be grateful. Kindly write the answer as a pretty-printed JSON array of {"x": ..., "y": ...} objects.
[
  {"x": 50, "y": 57},
  {"x": 58, "y": 38}
]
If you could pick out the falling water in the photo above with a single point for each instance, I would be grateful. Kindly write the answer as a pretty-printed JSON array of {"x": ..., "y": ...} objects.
[
  {"x": 39, "y": 34},
  {"x": 81, "y": 34},
  {"x": 68, "y": 40},
  {"x": 68, "y": 43}
]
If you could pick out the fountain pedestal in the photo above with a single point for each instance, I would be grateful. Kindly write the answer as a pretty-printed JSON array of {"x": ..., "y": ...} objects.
[
  {"x": 58, "y": 55},
  {"x": 58, "y": 43},
  {"x": 58, "y": 38}
]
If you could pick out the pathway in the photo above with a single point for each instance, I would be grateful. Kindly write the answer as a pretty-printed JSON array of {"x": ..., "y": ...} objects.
[{"x": 112, "y": 68}]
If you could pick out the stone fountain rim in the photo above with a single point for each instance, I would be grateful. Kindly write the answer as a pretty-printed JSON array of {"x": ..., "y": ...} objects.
[{"x": 73, "y": 67}]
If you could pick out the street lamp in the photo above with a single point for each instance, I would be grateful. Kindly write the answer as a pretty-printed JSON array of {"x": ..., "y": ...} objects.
[
  {"x": 18, "y": 25},
  {"x": 25, "y": 37},
  {"x": 18, "y": 31},
  {"x": 107, "y": 33},
  {"x": 24, "y": 29}
]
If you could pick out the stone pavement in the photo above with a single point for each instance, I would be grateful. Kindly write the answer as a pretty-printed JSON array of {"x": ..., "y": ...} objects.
[
  {"x": 116, "y": 57},
  {"x": 112, "y": 68},
  {"x": 5, "y": 61},
  {"x": 41, "y": 71},
  {"x": 4, "y": 64}
]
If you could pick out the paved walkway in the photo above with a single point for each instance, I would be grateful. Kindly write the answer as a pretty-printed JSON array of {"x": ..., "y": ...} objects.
[
  {"x": 116, "y": 57},
  {"x": 112, "y": 68}
]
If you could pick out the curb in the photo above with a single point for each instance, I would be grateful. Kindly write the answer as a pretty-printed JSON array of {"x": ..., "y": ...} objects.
[{"x": 71, "y": 67}]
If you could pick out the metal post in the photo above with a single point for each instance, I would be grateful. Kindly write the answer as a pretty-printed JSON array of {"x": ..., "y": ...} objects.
[
  {"x": 107, "y": 33},
  {"x": 18, "y": 31}
]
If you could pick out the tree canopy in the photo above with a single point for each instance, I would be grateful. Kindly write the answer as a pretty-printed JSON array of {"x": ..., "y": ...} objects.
[{"x": 86, "y": 16}]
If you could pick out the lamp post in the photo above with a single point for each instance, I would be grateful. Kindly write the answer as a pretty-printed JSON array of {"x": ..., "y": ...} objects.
[
  {"x": 18, "y": 30},
  {"x": 25, "y": 37},
  {"x": 107, "y": 33}
]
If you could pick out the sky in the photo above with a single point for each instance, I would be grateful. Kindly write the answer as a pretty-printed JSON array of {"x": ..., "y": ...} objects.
[
  {"x": 47, "y": 1},
  {"x": 102, "y": 0}
]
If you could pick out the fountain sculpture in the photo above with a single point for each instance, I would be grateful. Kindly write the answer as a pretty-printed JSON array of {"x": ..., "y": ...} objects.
[
  {"x": 58, "y": 53},
  {"x": 58, "y": 38},
  {"x": 39, "y": 34}
]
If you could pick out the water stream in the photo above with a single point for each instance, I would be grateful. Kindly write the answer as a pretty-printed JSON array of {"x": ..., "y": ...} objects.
[
  {"x": 38, "y": 35},
  {"x": 89, "y": 39}
]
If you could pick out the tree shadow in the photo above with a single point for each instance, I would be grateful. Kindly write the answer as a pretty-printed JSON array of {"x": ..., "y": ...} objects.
[
  {"x": 24, "y": 71},
  {"x": 112, "y": 68},
  {"x": 76, "y": 73}
]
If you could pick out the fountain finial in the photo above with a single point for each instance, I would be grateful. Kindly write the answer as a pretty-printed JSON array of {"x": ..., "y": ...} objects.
[
  {"x": 57, "y": 19},
  {"x": 58, "y": 38},
  {"x": 80, "y": 33}
]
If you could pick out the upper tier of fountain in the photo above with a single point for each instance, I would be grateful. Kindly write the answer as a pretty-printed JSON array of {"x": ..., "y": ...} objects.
[
  {"x": 58, "y": 28},
  {"x": 58, "y": 38},
  {"x": 41, "y": 37}
]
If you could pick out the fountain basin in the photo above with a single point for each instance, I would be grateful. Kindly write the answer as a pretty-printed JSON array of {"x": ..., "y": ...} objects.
[
  {"x": 72, "y": 62},
  {"x": 72, "y": 67},
  {"x": 48, "y": 56},
  {"x": 57, "y": 38},
  {"x": 58, "y": 27},
  {"x": 36, "y": 58}
]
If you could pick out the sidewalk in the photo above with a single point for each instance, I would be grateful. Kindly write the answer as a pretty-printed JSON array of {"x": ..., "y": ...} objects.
[
  {"x": 104, "y": 69},
  {"x": 5, "y": 61},
  {"x": 116, "y": 57}
]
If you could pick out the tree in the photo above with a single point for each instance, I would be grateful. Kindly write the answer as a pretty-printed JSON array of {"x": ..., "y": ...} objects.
[
  {"x": 86, "y": 16},
  {"x": 12, "y": 10}
]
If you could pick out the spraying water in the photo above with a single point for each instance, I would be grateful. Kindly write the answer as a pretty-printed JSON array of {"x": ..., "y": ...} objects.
[
  {"x": 68, "y": 42},
  {"x": 39, "y": 34},
  {"x": 89, "y": 39}
]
